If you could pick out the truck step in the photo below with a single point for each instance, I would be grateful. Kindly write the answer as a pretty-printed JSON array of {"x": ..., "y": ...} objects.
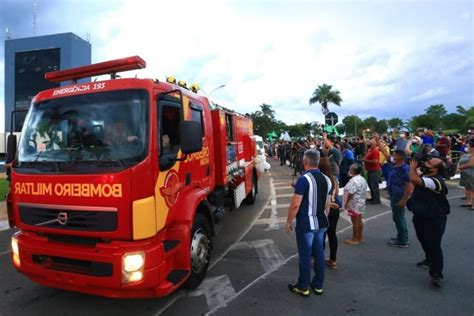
[{"x": 176, "y": 276}]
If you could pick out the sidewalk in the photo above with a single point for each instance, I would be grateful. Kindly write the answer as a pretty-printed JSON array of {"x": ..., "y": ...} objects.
[{"x": 3, "y": 211}]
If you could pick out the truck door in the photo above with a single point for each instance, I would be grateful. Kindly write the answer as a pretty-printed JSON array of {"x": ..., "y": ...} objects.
[
  {"x": 201, "y": 168},
  {"x": 169, "y": 116}
]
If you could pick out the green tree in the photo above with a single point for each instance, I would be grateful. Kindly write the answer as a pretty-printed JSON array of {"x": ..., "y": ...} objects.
[
  {"x": 352, "y": 124},
  {"x": 370, "y": 123},
  {"x": 436, "y": 111},
  {"x": 298, "y": 130},
  {"x": 341, "y": 128},
  {"x": 395, "y": 122},
  {"x": 264, "y": 121},
  {"x": 454, "y": 121},
  {"x": 423, "y": 120},
  {"x": 324, "y": 94},
  {"x": 468, "y": 115},
  {"x": 381, "y": 126}
]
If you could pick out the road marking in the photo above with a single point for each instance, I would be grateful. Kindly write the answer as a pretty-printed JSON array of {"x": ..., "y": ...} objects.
[
  {"x": 272, "y": 223},
  {"x": 284, "y": 195},
  {"x": 170, "y": 303},
  {"x": 244, "y": 232},
  {"x": 263, "y": 276},
  {"x": 266, "y": 221},
  {"x": 284, "y": 187},
  {"x": 5, "y": 252},
  {"x": 286, "y": 205},
  {"x": 4, "y": 225},
  {"x": 270, "y": 256},
  {"x": 218, "y": 290},
  {"x": 281, "y": 182},
  {"x": 218, "y": 259}
]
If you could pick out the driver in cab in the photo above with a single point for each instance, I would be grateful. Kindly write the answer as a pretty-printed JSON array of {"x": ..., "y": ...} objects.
[{"x": 117, "y": 133}]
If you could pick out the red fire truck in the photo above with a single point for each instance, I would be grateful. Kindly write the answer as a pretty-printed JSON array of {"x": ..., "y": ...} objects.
[{"x": 116, "y": 186}]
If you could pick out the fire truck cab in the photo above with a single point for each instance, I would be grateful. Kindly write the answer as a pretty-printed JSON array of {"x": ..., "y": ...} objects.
[{"x": 116, "y": 185}]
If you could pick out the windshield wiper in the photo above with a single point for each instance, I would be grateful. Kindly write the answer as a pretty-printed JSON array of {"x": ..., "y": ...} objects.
[
  {"x": 38, "y": 155},
  {"x": 35, "y": 164},
  {"x": 96, "y": 163}
]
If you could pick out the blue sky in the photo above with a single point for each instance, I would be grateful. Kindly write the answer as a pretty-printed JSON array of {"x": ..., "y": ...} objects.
[{"x": 388, "y": 58}]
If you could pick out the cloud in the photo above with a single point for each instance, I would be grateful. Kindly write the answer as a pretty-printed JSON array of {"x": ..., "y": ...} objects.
[
  {"x": 386, "y": 59},
  {"x": 430, "y": 94}
]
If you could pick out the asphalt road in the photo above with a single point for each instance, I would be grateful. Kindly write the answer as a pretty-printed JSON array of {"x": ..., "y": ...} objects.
[{"x": 254, "y": 260}]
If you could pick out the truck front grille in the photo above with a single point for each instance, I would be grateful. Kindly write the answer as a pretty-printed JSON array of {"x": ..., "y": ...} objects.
[
  {"x": 68, "y": 219},
  {"x": 94, "y": 268}
]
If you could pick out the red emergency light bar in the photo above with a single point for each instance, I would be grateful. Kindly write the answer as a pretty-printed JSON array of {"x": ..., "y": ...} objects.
[{"x": 107, "y": 67}]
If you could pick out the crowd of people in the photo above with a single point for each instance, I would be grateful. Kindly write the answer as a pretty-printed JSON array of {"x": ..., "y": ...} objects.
[
  {"x": 414, "y": 167},
  {"x": 422, "y": 141}
]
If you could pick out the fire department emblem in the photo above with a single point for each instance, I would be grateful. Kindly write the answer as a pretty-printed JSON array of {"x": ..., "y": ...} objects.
[{"x": 171, "y": 188}]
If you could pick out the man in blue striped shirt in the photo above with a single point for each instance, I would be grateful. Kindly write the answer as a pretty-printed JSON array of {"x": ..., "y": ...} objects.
[{"x": 308, "y": 205}]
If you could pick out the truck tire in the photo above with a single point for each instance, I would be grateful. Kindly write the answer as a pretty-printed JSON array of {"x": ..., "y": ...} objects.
[
  {"x": 200, "y": 251},
  {"x": 250, "y": 199}
]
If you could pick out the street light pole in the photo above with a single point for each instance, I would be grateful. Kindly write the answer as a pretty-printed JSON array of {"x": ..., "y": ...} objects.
[
  {"x": 217, "y": 88},
  {"x": 355, "y": 125}
]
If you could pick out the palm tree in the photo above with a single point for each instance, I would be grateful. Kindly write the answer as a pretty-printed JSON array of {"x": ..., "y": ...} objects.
[{"x": 324, "y": 95}]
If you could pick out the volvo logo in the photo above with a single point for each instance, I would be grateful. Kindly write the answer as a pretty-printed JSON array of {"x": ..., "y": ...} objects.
[{"x": 62, "y": 218}]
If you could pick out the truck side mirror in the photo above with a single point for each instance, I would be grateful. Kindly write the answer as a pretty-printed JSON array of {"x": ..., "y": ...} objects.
[
  {"x": 11, "y": 148},
  {"x": 191, "y": 136}
]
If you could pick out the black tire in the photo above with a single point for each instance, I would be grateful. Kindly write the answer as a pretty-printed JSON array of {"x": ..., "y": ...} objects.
[
  {"x": 201, "y": 227},
  {"x": 251, "y": 197}
]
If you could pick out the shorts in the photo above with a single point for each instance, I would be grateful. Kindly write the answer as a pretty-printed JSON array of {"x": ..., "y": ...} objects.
[{"x": 353, "y": 213}]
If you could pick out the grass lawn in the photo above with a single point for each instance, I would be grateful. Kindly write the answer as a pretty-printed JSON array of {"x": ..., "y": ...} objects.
[{"x": 3, "y": 189}]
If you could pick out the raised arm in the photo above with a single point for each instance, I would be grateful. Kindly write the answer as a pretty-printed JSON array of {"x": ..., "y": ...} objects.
[
  {"x": 414, "y": 177},
  {"x": 383, "y": 150}
]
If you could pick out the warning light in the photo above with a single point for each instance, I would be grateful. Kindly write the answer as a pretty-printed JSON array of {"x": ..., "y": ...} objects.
[
  {"x": 182, "y": 84},
  {"x": 107, "y": 67},
  {"x": 195, "y": 87},
  {"x": 171, "y": 79}
]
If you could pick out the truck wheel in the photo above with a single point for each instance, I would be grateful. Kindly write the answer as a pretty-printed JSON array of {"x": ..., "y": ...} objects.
[
  {"x": 200, "y": 251},
  {"x": 250, "y": 199}
]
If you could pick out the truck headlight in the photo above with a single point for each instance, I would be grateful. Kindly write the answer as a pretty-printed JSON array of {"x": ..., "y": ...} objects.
[
  {"x": 133, "y": 266},
  {"x": 15, "y": 251},
  {"x": 133, "y": 262}
]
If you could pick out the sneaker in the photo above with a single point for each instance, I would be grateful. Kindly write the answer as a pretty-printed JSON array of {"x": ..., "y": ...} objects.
[
  {"x": 294, "y": 289},
  {"x": 316, "y": 290},
  {"x": 437, "y": 280},
  {"x": 395, "y": 239},
  {"x": 423, "y": 264},
  {"x": 397, "y": 244}
]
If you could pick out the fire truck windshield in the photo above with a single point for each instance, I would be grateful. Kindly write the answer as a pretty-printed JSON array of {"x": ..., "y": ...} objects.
[{"x": 93, "y": 130}]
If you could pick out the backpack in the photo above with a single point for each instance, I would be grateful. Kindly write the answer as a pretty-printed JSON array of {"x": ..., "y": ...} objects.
[{"x": 428, "y": 203}]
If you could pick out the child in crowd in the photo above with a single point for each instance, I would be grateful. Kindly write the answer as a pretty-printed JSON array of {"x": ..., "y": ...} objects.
[{"x": 354, "y": 202}]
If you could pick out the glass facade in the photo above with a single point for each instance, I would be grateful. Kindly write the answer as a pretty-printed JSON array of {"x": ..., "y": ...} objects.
[{"x": 30, "y": 68}]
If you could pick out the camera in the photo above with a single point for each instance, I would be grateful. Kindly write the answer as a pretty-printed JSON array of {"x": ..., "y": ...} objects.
[{"x": 420, "y": 158}]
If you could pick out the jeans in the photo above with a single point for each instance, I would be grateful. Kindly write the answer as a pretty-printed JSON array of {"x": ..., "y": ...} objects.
[
  {"x": 310, "y": 244},
  {"x": 282, "y": 158},
  {"x": 429, "y": 232},
  {"x": 373, "y": 182},
  {"x": 398, "y": 216},
  {"x": 333, "y": 218}
]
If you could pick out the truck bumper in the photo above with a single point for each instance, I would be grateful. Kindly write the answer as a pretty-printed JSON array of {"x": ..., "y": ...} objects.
[{"x": 96, "y": 269}]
